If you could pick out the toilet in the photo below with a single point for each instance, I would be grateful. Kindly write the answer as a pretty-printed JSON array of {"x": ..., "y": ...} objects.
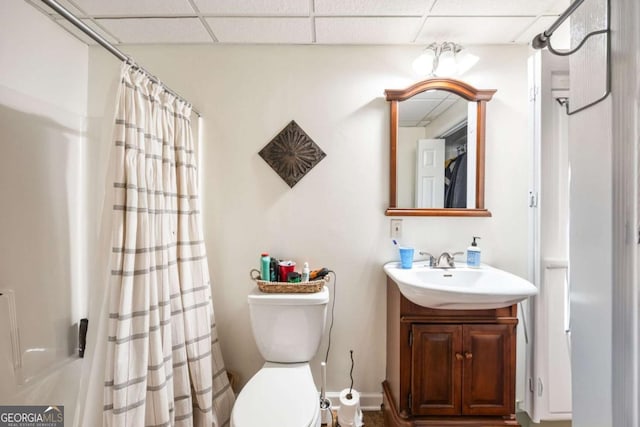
[{"x": 288, "y": 329}]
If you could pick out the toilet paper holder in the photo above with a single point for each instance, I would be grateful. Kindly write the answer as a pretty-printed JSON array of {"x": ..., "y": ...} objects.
[{"x": 349, "y": 413}]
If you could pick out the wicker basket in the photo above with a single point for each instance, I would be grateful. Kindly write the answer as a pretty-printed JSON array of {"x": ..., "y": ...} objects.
[{"x": 290, "y": 288}]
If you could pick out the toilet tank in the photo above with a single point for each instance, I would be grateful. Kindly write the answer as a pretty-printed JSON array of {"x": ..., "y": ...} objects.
[{"x": 288, "y": 328}]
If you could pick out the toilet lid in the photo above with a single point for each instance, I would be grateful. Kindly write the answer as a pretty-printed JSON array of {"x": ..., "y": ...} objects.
[{"x": 279, "y": 395}]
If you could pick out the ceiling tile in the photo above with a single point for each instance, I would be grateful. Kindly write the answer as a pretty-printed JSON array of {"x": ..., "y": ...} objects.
[
  {"x": 41, "y": 7},
  {"x": 372, "y": 7},
  {"x": 261, "y": 30},
  {"x": 561, "y": 38},
  {"x": 538, "y": 26},
  {"x": 442, "y": 108},
  {"x": 494, "y": 7},
  {"x": 82, "y": 36},
  {"x": 254, "y": 7},
  {"x": 366, "y": 30},
  {"x": 557, "y": 7},
  {"x": 64, "y": 3},
  {"x": 416, "y": 111},
  {"x": 157, "y": 30},
  {"x": 135, "y": 7},
  {"x": 473, "y": 30},
  {"x": 336, "y": 21}
]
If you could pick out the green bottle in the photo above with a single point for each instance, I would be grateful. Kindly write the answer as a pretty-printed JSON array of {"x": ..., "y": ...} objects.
[{"x": 265, "y": 260}]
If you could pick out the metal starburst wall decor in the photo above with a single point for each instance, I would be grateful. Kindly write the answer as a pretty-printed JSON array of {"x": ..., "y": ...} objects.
[{"x": 291, "y": 154}]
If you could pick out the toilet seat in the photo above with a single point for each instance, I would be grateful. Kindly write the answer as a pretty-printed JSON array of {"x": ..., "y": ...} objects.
[{"x": 279, "y": 395}]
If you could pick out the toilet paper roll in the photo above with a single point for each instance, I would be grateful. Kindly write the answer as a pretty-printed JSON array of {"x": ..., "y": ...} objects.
[{"x": 349, "y": 414}]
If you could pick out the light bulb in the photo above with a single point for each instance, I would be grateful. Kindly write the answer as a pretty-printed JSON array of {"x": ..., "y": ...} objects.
[
  {"x": 444, "y": 59},
  {"x": 423, "y": 64},
  {"x": 447, "y": 64}
]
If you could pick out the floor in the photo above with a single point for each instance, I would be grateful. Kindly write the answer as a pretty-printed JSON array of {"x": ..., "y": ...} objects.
[{"x": 370, "y": 418}]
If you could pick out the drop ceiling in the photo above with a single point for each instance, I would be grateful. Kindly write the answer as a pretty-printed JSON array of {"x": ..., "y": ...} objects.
[
  {"x": 345, "y": 22},
  {"x": 424, "y": 108}
]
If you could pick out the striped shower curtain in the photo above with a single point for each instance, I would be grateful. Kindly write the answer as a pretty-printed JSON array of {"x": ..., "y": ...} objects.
[{"x": 164, "y": 366}]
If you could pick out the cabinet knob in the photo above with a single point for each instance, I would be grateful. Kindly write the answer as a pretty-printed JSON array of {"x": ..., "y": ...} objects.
[
  {"x": 468, "y": 355},
  {"x": 459, "y": 356}
]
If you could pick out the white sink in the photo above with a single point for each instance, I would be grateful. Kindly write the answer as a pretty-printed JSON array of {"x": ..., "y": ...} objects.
[{"x": 459, "y": 288}]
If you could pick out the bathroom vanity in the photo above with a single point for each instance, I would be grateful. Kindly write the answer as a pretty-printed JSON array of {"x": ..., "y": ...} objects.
[{"x": 449, "y": 367}]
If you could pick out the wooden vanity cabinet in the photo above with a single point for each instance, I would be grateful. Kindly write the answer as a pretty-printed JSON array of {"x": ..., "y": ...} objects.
[{"x": 449, "y": 367}]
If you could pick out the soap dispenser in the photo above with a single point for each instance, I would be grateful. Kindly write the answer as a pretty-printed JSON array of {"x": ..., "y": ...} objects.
[{"x": 473, "y": 254}]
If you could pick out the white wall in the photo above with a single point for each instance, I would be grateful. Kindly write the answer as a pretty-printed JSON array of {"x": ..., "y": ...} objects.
[
  {"x": 334, "y": 216},
  {"x": 625, "y": 17},
  {"x": 406, "y": 153},
  {"x": 590, "y": 251},
  {"x": 43, "y": 90}
]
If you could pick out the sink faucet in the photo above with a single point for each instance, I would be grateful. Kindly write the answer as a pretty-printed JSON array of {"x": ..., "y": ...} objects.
[
  {"x": 431, "y": 258},
  {"x": 446, "y": 260}
]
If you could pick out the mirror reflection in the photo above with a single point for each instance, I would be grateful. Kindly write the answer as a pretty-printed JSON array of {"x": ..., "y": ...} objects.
[{"x": 436, "y": 151}]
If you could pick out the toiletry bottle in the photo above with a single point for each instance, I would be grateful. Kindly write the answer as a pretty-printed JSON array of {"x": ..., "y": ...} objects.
[
  {"x": 265, "y": 261},
  {"x": 305, "y": 272},
  {"x": 273, "y": 270},
  {"x": 473, "y": 254}
]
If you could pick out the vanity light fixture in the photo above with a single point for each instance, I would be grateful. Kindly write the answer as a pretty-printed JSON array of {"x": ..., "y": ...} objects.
[{"x": 444, "y": 59}]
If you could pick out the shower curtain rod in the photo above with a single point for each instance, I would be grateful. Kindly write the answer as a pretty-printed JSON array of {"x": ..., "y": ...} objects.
[
  {"x": 542, "y": 40},
  {"x": 53, "y": 4}
]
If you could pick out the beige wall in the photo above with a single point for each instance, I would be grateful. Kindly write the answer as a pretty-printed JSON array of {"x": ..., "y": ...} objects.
[{"x": 334, "y": 217}]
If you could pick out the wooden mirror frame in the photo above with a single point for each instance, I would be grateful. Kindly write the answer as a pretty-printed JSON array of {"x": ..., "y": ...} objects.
[{"x": 466, "y": 91}]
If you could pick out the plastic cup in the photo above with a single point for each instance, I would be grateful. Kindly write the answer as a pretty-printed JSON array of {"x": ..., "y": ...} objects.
[
  {"x": 406, "y": 257},
  {"x": 285, "y": 267}
]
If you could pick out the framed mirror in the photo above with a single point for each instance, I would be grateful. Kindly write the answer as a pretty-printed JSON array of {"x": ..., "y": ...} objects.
[{"x": 437, "y": 149}]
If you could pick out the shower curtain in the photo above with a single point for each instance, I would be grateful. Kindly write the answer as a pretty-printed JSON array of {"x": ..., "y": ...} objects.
[{"x": 163, "y": 364}]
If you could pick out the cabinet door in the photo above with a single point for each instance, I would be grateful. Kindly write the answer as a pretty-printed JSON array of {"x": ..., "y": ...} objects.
[
  {"x": 487, "y": 378},
  {"x": 436, "y": 369}
]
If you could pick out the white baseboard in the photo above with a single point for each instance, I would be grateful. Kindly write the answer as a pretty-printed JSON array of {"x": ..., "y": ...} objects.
[{"x": 368, "y": 401}]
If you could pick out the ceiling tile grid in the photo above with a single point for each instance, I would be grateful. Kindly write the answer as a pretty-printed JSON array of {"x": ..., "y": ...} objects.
[
  {"x": 135, "y": 8},
  {"x": 487, "y": 30},
  {"x": 495, "y": 7},
  {"x": 312, "y": 21},
  {"x": 83, "y": 37},
  {"x": 69, "y": 6},
  {"x": 157, "y": 30},
  {"x": 261, "y": 30},
  {"x": 372, "y": 7},
  {"x": 536, "y": 27},
  {"x": 366, "y": 30},
  {"x": 253, "y": 7}
]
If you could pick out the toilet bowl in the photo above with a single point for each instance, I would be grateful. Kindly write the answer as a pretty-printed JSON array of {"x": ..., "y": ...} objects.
[
  {"x": 287, "y": 329},
  {"x": 279, "y": 395}
]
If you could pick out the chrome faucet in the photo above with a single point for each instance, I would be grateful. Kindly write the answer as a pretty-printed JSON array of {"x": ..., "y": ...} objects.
[
  {"x": 431, "y": 258},
  {"x": 446, "y": 260}
]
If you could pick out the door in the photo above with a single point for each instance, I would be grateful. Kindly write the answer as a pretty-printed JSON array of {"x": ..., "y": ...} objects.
[
  {"x": 487, "y": 377},
  {"x": 430, "y": 173},
  {"x": 548, "y": 391},
  {"x": 436, "y": 369},
  {"x": 554, "y": 349}
]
